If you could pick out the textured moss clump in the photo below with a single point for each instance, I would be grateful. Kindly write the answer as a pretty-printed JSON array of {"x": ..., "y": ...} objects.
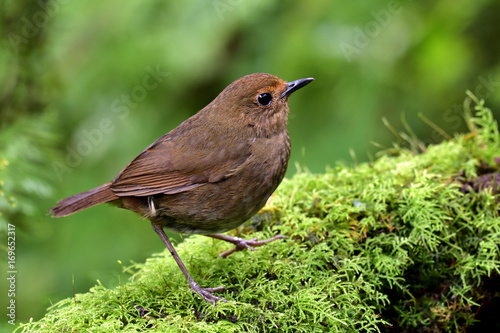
[{"x": 409, "y": 242}]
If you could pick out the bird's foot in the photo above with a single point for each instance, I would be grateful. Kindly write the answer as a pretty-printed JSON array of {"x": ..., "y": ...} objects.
[
  {"x": 205, "y": 293},
  {"x": 242, "y": 244}
]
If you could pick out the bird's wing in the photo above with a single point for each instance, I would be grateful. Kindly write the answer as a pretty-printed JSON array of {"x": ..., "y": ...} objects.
[{"x": 171, "y": 167}]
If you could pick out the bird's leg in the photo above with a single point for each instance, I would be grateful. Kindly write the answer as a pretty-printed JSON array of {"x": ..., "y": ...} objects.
[
  {"x": 205, "y": 293},
  {"x": 241, "y": 243}
]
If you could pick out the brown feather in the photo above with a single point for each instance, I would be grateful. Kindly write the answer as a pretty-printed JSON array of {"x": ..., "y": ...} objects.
[
  {"x": 214, "y": 170},
  {"x": 83, "y": 200},
  {"x": 179, "y": 162}
]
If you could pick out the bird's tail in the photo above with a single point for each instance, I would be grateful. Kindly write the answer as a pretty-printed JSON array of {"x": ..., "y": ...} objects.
[{"x": 84, "y": 200}]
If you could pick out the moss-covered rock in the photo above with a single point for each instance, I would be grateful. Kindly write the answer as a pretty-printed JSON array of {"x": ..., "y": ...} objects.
[{"x": 407, "y": 243}]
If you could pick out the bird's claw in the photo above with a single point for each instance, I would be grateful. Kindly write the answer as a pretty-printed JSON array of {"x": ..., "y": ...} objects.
[
  {"x": 205, "y": 293},
  {"x": 242, "y": 244}
]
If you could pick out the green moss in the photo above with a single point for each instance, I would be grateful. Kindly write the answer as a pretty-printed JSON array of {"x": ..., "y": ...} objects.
[{"x": 407, "y": 242}]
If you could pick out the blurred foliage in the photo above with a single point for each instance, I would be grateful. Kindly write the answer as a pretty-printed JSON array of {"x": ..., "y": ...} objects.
[
  {"x": 29, "y": 145},
  {"x": 86, "y": 85},
  {"x": 3, "y": 198}
]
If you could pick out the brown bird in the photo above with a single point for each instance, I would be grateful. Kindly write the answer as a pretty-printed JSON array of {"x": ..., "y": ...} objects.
[{"x": 212, "y": 172}]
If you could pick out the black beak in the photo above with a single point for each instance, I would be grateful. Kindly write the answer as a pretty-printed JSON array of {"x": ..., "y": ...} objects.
[{"x": 295, "y": 85}]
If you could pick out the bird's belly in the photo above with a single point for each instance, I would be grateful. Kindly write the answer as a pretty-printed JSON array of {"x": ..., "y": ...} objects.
[{"x": 218, "y": 207}]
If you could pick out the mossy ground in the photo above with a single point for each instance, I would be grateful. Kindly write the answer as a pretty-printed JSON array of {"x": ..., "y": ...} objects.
[{"x": 409, "y": 242}]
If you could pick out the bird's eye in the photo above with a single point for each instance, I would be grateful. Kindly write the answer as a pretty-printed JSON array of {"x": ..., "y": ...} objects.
[{"x": 265, "y": 99}]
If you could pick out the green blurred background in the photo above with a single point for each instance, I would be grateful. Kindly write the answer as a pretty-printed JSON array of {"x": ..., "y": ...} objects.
[{"x": 86, "y": 85}]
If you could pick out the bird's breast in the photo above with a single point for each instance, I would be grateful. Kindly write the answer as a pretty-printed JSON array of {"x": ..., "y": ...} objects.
[{"x": 224, "y": 205}]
